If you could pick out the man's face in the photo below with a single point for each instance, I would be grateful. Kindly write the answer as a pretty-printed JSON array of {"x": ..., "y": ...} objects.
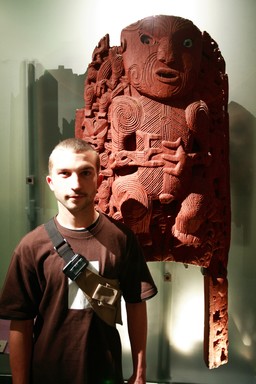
[{"x": 74, "y": 179}]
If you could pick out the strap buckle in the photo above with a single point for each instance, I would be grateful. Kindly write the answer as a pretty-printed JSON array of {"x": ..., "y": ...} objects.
[
  {"x": 75, "y": 266},
  {"x": 106, "y": 294}
]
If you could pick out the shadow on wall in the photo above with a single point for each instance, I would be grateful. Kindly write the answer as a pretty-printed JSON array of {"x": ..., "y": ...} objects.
[
  {"x": 52, "y": 101},
  {"x": 242, "y": 167}
]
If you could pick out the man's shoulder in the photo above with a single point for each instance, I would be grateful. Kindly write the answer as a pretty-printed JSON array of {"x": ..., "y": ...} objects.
[
  {"x": 37, "y": 236},
  {"x": 108, "y": 220}
]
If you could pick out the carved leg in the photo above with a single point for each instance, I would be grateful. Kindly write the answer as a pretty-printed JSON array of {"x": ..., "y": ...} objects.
[{"x": 216, "y": 321}]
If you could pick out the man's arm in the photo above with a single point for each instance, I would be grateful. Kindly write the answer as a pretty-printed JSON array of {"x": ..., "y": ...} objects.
[
  {"x": 21, "y": 342},
  {"x": 137, "y": 329}
]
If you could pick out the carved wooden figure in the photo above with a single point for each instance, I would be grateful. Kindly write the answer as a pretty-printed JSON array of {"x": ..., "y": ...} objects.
[{"x": 156, "y": 110}]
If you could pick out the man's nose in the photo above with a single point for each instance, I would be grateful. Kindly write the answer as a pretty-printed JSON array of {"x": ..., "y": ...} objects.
[
  {"x": 165, "y": 52},
  {"x": 75, "y": 181}
]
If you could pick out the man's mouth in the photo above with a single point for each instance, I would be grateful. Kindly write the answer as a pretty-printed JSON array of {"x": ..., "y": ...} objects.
[{"x": 76, "y": 197}]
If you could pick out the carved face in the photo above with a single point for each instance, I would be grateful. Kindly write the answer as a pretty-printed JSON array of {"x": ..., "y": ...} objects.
[{"x": 162, "y": 56}]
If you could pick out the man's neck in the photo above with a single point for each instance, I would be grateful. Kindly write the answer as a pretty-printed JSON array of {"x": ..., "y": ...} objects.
[{"x": 82, "y": 221}]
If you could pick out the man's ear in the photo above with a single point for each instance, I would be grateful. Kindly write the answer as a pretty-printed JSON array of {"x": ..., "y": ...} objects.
[{"x": 49, "y": 182}]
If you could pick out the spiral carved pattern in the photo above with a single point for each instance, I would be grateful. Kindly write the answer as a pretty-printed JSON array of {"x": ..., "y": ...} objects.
[{"x": 127, "y": 115}]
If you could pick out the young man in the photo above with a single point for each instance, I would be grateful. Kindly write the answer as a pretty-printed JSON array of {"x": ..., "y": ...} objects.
[{"x": 55, "y": 336}]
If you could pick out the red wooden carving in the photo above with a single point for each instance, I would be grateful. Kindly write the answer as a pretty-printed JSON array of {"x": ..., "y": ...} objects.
[{"x": 156, "y": 110}]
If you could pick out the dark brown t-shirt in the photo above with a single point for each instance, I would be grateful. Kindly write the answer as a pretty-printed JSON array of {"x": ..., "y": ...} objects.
[{"x": 72, "y": 345}]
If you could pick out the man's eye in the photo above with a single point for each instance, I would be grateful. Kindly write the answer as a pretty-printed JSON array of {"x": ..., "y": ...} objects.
[
  {"x": 188, "y": 43},
  {"x": 64, "y": 173},
  {"x": 87, "y": 173}
]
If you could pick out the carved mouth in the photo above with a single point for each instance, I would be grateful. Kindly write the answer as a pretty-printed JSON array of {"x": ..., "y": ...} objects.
[{"x": 167, "y": 75}]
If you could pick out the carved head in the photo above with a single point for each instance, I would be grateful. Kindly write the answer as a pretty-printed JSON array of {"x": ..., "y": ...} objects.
[{"x": 162, "y": 56}]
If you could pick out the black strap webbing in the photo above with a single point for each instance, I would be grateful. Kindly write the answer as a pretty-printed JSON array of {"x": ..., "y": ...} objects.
[{"x": 60, "y": 244}]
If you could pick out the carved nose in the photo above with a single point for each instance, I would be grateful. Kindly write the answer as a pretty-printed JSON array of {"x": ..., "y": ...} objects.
[{"x": 165, "y": 52}]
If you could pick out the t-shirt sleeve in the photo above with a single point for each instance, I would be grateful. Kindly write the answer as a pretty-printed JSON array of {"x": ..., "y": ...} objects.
[
  {"x": 136, "y": 281},
  {"x": 21, "y": 292}
]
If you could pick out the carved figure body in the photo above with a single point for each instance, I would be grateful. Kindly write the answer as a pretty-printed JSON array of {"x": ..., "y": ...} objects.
[
  {"x": 168, "y": 163},
  {"x": 156, "y": 110}
]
